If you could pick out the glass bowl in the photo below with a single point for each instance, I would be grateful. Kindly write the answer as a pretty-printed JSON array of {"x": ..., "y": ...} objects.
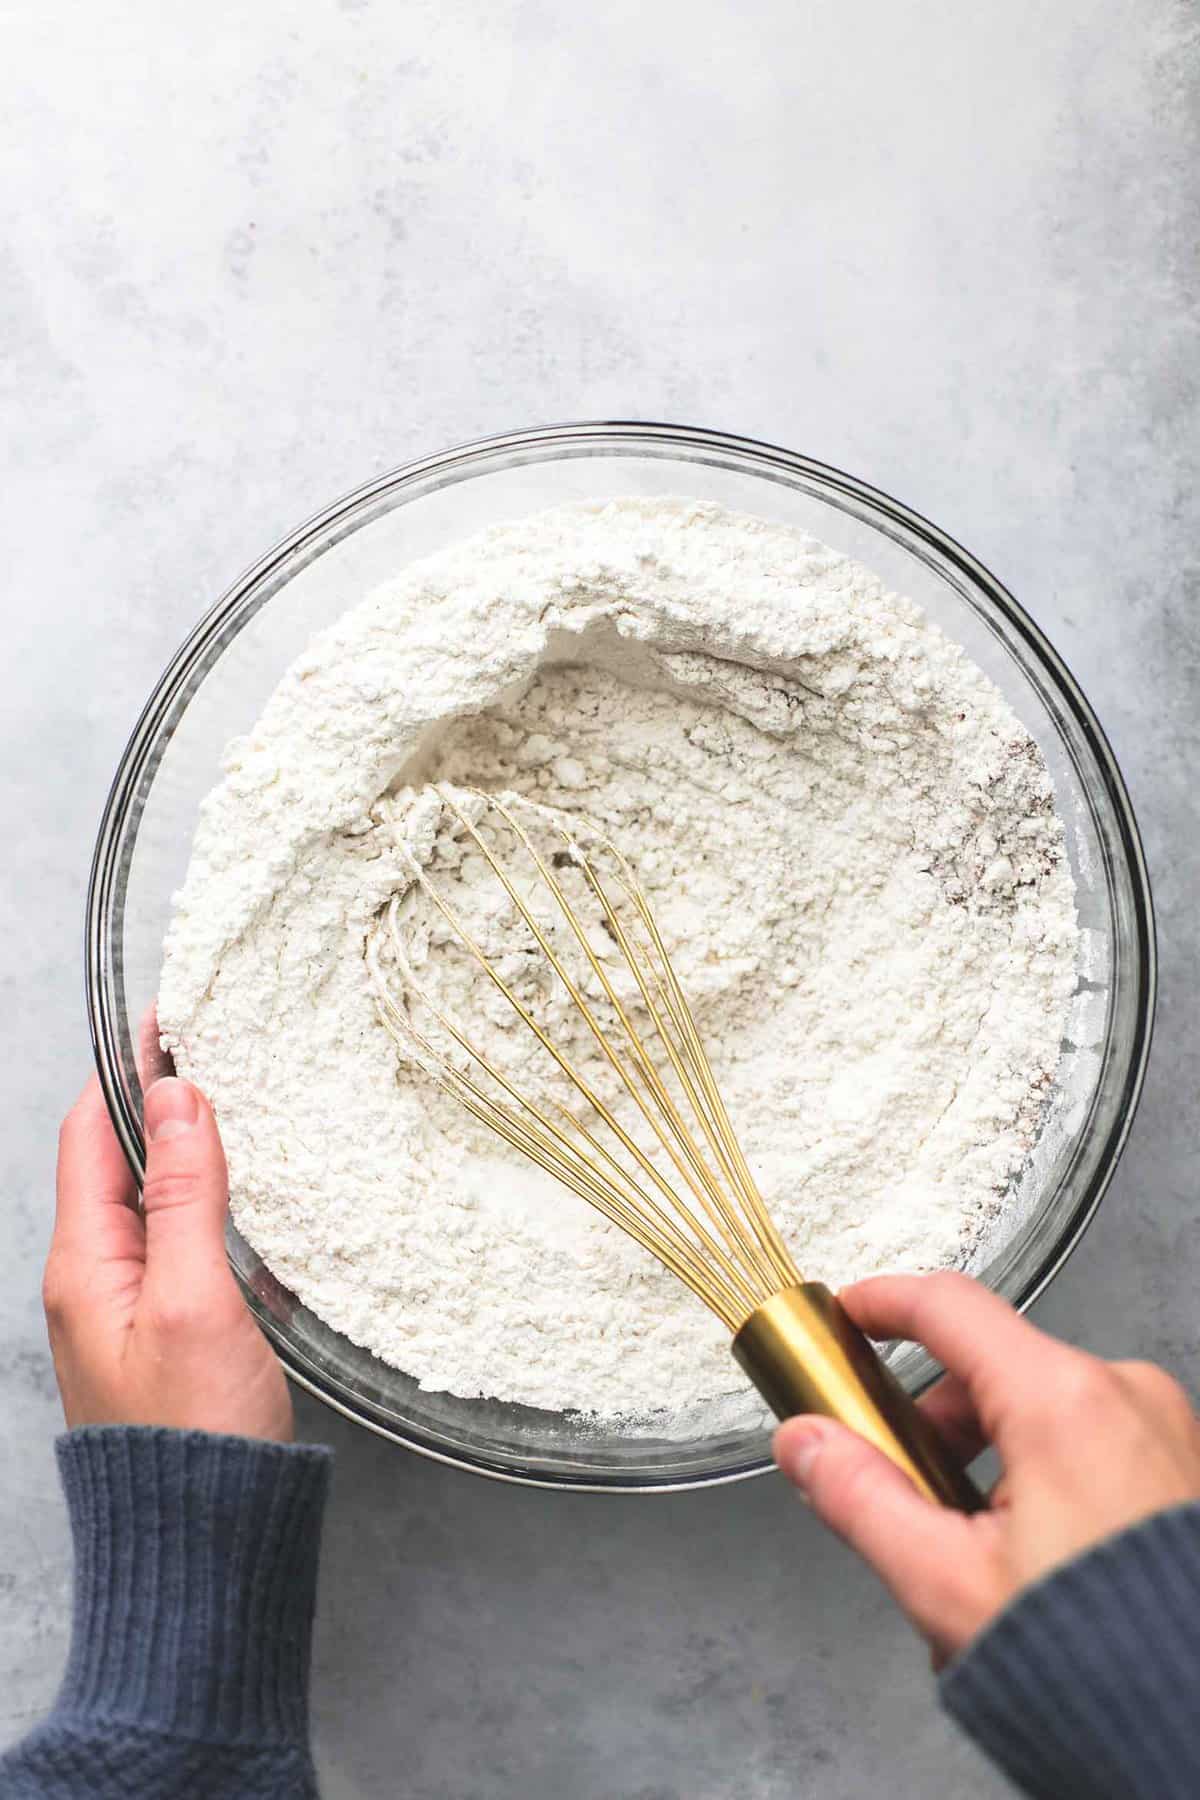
[{"x": 217, "y": 683}]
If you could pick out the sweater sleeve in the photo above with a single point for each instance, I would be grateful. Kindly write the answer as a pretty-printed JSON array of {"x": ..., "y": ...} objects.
[
  {"x": 195, "y": 1576},
  {"x": 1087, "y": 1687}
]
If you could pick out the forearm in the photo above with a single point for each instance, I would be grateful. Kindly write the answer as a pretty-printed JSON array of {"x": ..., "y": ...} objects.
[
  {"x": 195, "y": 1573},
  {"x": 1088, "y": 1684}
]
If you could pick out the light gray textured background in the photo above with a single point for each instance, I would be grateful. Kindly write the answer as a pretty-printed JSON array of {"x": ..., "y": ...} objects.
[{"x": 254, "y": 254}]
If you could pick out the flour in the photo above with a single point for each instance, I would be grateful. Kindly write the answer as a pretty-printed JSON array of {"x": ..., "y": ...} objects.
[{"x": 851, "y": 847}]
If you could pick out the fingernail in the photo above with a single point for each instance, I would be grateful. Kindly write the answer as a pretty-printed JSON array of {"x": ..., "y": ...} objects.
[
  {"x": 171, "y": 1109},
  {"x": 799, "y": 1454}
]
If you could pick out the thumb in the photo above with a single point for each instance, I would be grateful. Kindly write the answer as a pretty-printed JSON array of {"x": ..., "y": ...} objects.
[
  {"x": 186, "y": 1191},
  {"x": 871, "y": 1504}
]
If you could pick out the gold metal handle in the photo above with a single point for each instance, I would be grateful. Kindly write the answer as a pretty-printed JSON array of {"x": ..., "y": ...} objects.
[{"x": 805, "y": 1355}]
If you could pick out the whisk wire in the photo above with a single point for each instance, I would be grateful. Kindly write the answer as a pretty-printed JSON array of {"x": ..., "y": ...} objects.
[
  {"x": 764, "y": 1226},
  {"x": 689, "y": 1060},
  {"x": 746, "y": 1260},
  {"x": 677, "y": 1143},
  {"x": 547, "y": 1146},
  {"x": 737, "y": 1297},
  {"x": 709, "y": 1193}
]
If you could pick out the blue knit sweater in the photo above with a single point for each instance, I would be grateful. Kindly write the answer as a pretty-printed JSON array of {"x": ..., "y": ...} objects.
[
  {"x": 195, "y": 1570},
  {"x": 195, "y": 1574}
]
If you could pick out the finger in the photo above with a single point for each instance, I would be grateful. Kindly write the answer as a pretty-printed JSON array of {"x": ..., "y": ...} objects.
[
  {"x": 186, "y": 1192},
  {"x": 916, "y": 1548},
  {"x": 951, "y": 1411},
  {"x": 153, "y": 1062},
  {"x": 1003, "y": 1361},
  {"x": 96, "y": 1209}
]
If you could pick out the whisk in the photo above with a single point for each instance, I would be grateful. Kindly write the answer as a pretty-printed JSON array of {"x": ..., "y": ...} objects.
[{"x": 614, "y": 1094}]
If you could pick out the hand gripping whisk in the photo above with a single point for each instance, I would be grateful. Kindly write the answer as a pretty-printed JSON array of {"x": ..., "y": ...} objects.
[{"x": 609, "y": 1088}]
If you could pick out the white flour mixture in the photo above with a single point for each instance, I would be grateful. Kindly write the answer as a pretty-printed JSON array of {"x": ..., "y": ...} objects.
[{"x": 849, "y": 841}]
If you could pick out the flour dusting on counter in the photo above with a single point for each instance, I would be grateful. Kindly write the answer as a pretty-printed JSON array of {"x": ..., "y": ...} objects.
[{"x": 849, "y": 841}]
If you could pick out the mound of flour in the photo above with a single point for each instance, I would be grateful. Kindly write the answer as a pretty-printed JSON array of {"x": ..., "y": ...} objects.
[{"x": 850, "y": 844}]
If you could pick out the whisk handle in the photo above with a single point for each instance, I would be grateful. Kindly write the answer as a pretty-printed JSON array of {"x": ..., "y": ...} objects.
[{"x": 805, "y": 1355}]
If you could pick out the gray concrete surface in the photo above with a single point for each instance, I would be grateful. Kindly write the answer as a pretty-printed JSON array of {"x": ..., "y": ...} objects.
[{"x": 254, "y": 254}]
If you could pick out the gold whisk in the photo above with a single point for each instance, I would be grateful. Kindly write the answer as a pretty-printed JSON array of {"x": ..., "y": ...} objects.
[{"x": 644, "y": 1136}]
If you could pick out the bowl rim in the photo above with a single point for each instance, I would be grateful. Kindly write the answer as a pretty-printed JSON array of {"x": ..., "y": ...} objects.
[{"x": 615, "y": 435}]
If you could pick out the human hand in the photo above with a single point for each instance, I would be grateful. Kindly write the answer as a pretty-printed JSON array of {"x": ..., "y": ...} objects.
[
  {"x": 1087, "y": 1448},
  {"x": 147, "y": 1324}
]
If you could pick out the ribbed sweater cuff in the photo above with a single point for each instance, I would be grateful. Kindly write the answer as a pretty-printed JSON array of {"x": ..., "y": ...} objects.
[
  {"x": 1086, "y": 1684},
  {"x": 195, "y": 1578}
]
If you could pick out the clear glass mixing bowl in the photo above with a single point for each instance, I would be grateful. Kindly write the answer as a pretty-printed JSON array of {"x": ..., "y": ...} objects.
[{"x": 220, "y": 678}]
